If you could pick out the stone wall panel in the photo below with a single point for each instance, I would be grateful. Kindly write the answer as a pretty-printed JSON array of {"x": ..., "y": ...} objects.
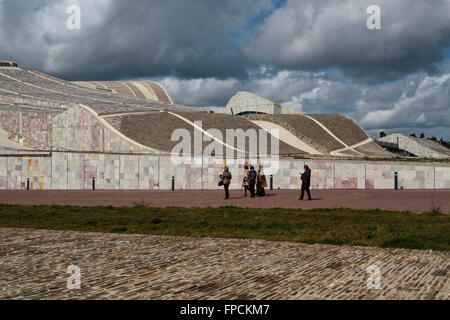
[
  {"x": 74, "y": 171},
  {"x": 3, "y": 173}
]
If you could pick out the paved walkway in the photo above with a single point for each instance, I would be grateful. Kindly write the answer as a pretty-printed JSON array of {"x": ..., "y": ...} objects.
[
  {"x": 33, "y": 265},
  {"x": 413, "y": 200}
]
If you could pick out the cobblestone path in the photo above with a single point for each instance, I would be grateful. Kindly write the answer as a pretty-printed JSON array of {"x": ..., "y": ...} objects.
[{"x": 33, "y": 265}]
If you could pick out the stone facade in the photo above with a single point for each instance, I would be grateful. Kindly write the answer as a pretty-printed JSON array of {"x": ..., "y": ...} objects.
[
  {"x": 31, "y": 129},
  {"x": 78, "y": 129},
  {"x": 30, "y": 101},
  {"x": 88, "y": 133},
  {"x": 75, "y": 171}
]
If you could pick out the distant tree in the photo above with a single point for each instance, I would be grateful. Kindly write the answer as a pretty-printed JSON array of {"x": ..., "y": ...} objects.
[
  {"x": 413, "y": 135},
  {"x": 433, "y": 139},
  {"x": 382, "y": 134},
  {"x": 422, "y": 135},
  {"x": 444, "y": 143}
]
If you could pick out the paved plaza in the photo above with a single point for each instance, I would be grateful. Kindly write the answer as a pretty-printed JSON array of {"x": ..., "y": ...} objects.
[
  {"x": 417, "y": 201},
  {"x": 33, "y": 265}
]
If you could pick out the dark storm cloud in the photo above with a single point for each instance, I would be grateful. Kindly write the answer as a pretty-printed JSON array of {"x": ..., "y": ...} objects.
[
  {"x": 315, "y": 35},
  {"x": 128, "y": 39},
  {"x": 201, "y": 92},
  {"x": 203, "y": 38}
]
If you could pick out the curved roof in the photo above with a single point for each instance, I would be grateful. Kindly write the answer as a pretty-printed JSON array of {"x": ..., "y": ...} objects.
[
  {"x": 140, "y": 89},
  {"x": 224, "y": 122},
  {"x": 34, "y": 85},
  {"x": 150, "y": 129},
  {"x": 30, "y": 101},
  {"x": 332, "y": 134},
  {"x": 422, "y": 148},
  {"x": 140, "y": 115},
  {"x": 305, "y": 129}
]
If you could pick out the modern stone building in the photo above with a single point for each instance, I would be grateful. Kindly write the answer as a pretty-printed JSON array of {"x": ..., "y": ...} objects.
[
  {"x": 249, "y": 103},
  {"x": 60, "y": 135}
]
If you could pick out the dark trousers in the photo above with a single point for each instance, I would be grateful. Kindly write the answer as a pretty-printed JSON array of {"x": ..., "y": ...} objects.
[
  {"x": 227, "y": 191},
  {"x": 260, "y": 191},
  {"x": 251, "y": 188},
  {"x": 305, "y": 188}
]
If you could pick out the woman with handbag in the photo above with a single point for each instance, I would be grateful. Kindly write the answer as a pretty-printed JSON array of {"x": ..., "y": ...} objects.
[
  {"x": 261, "y": 183},
  {"x": 225, "y": 180},
  {"x": 244, "y": 180}
]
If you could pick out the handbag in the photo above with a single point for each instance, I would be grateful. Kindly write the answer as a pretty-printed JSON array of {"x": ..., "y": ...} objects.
[{"x": 220, "y": 183}]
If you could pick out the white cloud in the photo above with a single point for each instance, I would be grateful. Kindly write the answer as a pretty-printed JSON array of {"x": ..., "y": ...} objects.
[
  {"x": 417, "y": 101},
  {"x": 200, "y": 92},
  {"x": 428, "y": 107},
  {"x": 324, "y": 34}
]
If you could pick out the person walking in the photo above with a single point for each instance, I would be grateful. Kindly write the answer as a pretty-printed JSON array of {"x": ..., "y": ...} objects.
[
  {"x": 244, "y": 180},
  {"x": 251, "y": 179},
  {"x": 306, "y": 183},
  {"x": 261, "y": 182},
  {"x": 226, "y": 180}
]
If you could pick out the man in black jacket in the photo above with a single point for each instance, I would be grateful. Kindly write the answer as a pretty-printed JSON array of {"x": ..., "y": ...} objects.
[
  {"x": 306, "y": 183},
  {"x": 251, "y": 178}
]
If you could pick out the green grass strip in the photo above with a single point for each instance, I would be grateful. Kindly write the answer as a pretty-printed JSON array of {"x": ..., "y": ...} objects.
[{"x": 374, "y": 228}]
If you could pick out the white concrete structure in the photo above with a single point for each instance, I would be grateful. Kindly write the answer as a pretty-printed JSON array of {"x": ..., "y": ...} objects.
[
  {"x": 421, "y": 148},
  {"x": 247, "y": 103}
]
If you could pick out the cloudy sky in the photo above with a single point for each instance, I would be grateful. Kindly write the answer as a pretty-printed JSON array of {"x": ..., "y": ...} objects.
[{"x": 314, "y": 55}]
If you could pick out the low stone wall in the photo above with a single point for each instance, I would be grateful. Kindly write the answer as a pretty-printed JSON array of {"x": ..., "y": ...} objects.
[{"x": 65, "y": 170}]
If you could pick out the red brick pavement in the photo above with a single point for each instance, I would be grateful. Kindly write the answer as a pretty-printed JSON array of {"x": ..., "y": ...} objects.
[{"x": 413, "y": 200}]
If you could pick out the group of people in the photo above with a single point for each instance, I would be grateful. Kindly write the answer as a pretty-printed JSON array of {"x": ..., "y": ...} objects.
[
  {"x": 257, "y": 180},
  {"x": 254, "y": 179}
]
